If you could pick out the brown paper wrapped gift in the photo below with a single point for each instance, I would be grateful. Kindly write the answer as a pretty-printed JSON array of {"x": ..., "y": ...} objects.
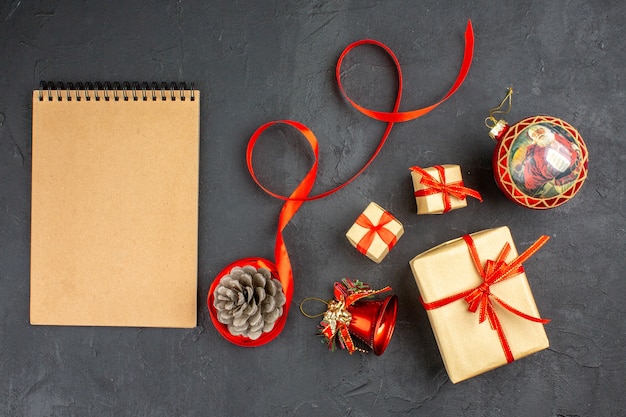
[
  {"x": 375, "y": 232},
  {"x": 439, "y": 189},
  {"x": 468, "y": 347}
]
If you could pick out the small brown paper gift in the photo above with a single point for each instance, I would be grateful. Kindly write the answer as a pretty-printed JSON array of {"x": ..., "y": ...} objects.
[
  {"x": 375, "y": 232},
  {"x": 482, "y": 318},
  {"x": 439, "y": 189}
]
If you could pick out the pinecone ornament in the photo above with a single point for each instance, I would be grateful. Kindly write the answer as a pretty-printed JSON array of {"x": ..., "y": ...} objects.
[{"x": 249, "y": 301}]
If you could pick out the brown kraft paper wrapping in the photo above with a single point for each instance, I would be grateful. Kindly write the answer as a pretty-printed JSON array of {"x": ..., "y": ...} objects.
[
  {"x": 434, "y": 204},
  {"x": 469, "y": 348}
]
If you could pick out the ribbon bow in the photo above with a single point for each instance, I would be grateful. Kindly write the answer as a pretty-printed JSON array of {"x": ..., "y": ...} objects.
[
  {"x": 482, "y": 300},
  {"x": 434, "y": 186},
  {"x": 375, "y": 229},
  {"x": 337, "y": 317}
]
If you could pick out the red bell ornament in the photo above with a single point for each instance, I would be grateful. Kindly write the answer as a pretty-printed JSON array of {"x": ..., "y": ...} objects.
[
  {"x": 373, "y": 322},
  {"x": 353, "y": 313},
  {"x": 539, "y": 162}
]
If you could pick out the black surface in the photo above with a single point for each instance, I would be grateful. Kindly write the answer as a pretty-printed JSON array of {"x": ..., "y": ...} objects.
[{"x": 261, "y": 61}]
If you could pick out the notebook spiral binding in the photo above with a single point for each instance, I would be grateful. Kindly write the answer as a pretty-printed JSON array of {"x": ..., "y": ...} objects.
[{"x": 106, "y": 91}]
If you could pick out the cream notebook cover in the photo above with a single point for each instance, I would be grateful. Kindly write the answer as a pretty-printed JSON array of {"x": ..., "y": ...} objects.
[{"x": 114, "y": 218}]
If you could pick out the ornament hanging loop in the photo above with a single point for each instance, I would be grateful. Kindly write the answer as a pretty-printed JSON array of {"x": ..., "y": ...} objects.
[
  {"x": 312, "y": 316},
  {"x": 491, "y": 121}
]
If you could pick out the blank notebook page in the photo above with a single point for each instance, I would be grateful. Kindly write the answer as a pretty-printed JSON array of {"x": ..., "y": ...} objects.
[{"x": 114, "y": 218}]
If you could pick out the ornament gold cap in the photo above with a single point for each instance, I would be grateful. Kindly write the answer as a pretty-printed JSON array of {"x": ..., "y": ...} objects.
[
  {"x": 497, "y": 126},
  {"x": 497, "y": 130}
]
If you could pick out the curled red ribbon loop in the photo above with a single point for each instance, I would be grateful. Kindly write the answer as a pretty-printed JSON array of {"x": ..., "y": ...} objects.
[
  {"x": 395, "y": 115},
  {"x": 291, "y": 205},
  {"x": 481, "y": 299},
  {"x": 390, "y": 117},
  {"x": 375, "y": 229},
  {"x": 302, "y": 192},
  {"x": 282, "y": 269},
  {"x": 455, "y": 189}
]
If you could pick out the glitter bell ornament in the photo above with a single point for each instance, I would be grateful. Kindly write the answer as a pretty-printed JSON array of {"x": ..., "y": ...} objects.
[{"x": 539, "y": 162}]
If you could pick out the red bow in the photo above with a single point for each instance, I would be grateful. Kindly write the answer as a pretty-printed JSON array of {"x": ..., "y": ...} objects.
[
  {"x": 433, "y": 186},
  {"x": 481, "y": 299},
  {"x": 375, "y": 229}
]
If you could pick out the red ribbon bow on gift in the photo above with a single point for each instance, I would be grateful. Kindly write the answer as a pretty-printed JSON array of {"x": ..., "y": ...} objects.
[
  {"x": 481, "y": 299},
  {"x": 337, "y": 317},
  {"x": 375, "y": 229},
  {"x": 434, "y": 186}
]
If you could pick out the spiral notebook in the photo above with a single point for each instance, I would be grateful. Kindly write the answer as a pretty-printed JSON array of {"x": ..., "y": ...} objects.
[{"x": 114, "y": 217}]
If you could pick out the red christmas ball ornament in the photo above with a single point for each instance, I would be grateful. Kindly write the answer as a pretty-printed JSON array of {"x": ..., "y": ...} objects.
[{"x": 539, "y": 162}]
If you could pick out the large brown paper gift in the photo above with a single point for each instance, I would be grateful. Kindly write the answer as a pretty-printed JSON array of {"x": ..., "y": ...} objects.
[
  {"x": 439, "y": 189},
  {"x": 375, "y": 232},
  {"x": 468, "y": 347}
]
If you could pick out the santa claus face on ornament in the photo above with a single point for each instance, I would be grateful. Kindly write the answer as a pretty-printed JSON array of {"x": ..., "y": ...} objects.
[
  {"x": 540, "y": 135},
  {"x": 544, "y": 160}
]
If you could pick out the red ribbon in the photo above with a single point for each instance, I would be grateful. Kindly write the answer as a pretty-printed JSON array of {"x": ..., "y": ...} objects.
[
  {"x": 390, "y": 117},
  {"x": 291, "y": 205},
  {"x": 375, "y": 229},
  {"x": 301, "y": 193},
  {"x": 395, "y": 115},
  {"x": 434, "y": 186},
  {"x": 481, "y": 299}
]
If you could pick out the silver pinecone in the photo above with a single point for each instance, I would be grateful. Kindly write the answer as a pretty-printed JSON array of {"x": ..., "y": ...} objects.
[{"x": 249, "y": 301}]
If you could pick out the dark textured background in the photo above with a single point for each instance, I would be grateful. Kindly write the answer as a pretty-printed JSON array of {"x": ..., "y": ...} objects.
[{"x": 258, "y": 61}]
